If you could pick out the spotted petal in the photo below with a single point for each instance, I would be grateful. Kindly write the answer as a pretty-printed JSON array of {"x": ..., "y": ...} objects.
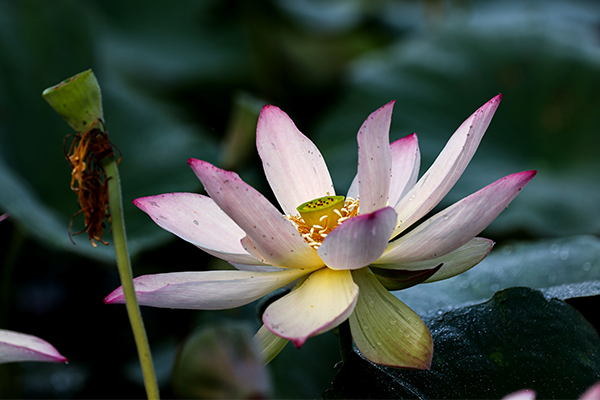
[
  {"x": 205, "y": 290},
  {"x": 324, "y": 300},
  {"x": 447, "y": 168},
  {"x": 406, "y": 159},
  {"x": 16, "y": 346},
  {"x": 457, "y": 224},
  {"x": 293, "y": 165},
  {"x": 375, "y": 160},
  {"x": 385, "y": 330},
  {"x": 358, "y": 241},
  {"x": 274, "y": 237},
  {"x": 198, "y": 220}
]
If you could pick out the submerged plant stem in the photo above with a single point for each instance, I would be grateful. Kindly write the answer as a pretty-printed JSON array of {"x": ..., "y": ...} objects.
[{"x": 125, "y": 273}]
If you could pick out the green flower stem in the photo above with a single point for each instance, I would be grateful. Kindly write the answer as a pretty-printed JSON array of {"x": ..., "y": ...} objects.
[
  {"x": 124, "y": 265},
  {"x": 345, "y": 339}
]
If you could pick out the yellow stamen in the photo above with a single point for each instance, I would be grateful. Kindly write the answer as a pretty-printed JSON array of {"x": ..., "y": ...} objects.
[{"x": 315, "y": 227}]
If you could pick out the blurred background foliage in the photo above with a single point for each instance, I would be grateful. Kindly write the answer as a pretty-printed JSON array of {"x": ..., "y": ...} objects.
[{"x": 187, "y": 79}]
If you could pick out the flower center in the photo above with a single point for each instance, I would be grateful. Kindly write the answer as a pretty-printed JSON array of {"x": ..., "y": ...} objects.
[{"x": 320, "y": 216}]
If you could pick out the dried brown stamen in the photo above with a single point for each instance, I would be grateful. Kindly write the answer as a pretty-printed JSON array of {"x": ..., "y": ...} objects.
[{"x": 88, "y": 178}]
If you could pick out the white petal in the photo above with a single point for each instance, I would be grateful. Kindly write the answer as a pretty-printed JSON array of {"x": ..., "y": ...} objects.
[
  {"x": 198, "y": 220},
  {"x": 274, "y": 237},
  {"x": 406, "y": 159},
  {"x": 16, "y": 347},
  {"x": 457, "y": 224},
  {"x": 385, "y": 330},
  {"x": 205, "y": 290},
  {"x": 359, "y": 241},
  {"x": 447, "y": 168},
  {"x": 324, "y": 300},
  {"x": 375, "y": 160},
  {"x": 293, "y": 165}
]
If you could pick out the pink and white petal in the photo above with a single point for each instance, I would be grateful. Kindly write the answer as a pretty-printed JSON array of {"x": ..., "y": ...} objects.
[
  {"x": 324, "y": 300},
  {"x": 457, "y": 224},
  {"x": 273, "y": 235},
  {"x": 199, "y": 220},
  {"x": 293, "y": 164},
  {"x": 593, "y": 393},
  {"x": 257, "y": 268},
  {"x": 471, "y": 253},
  {"x": 358, "y": 241},
  {"x": 406, "y": 159},
  {"x": 17, "y": 347},
  {"x": 375, "y": 160},
  {"x": 269, "y": 344},
  {"x": 446, "y": 169},
  {"x": 205, "y": 290},
  {"x": 385, "y": 330},
  {"x": 525, "y": 394}
]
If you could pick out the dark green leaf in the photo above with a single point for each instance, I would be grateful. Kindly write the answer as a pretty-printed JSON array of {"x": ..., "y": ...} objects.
[{"x": 516, "y": 340}]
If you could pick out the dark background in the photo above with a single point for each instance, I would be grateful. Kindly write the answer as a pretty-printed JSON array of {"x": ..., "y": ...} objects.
[{"x": 187, "y": 79}]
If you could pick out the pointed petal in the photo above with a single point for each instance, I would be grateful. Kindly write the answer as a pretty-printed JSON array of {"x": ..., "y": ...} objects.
[
  {"x": 324, "y": 300},
  {"x": 269, "y": 344},
  {"x": 385, "y": 330},
  {"x": 358, "y": 241},
  {"x": 274, "y": 237},
  {"x": 198, "y": 220},
  {"x": 293, "y": 165},
  {"x": 205, "y": 290},
  {"x": 16, "y": 346},
  {"x": 457, "y": 224},
  {"x": 406, "y": 159},
  {"x": 447, "y": 168},
  {"x": 375, "y": 160}
]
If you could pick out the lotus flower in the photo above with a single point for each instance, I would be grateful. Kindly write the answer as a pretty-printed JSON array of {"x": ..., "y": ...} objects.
[
  {"x": 15, "y": 346},
  {"x": 344, "y": 253}
]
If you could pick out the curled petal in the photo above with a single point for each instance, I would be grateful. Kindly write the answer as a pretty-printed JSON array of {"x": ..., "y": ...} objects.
[
  {"x": 199, "y": 220},
  {"x": 454, "y": 263},
  {"x": 385, "y": 330},
  {"x": 274, "y": 237},
  {"x": 359, "y": 241},
  {"x": 447, "y": 168},
  {"x": 16, "y": 346},
  {"x": 457, "y": 224},
  {"x": 269, "y": 344},
  {"x": 293, "y": 165},
  {"x": 324, "y": 300},
  {"x": 462, "y": 259},
  {"x": 406, "y": 159},
  {"x": 375, "y": 160},
  {"x": 205, "y": 290}
]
